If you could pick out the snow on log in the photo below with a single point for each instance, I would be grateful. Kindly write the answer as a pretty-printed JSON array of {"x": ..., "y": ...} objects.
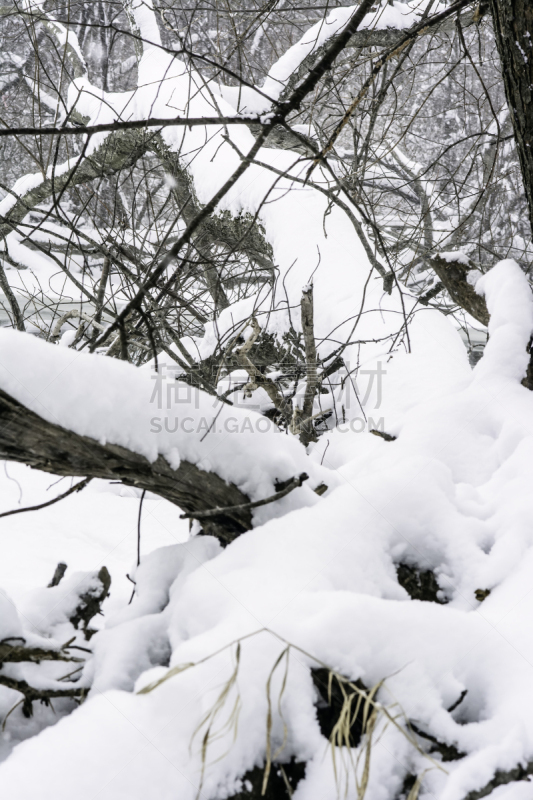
[{"x": 74, "y": 413}]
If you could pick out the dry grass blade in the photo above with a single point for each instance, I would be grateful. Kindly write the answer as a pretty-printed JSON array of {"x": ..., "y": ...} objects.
[
  {"x": 182, "y": 667},
  {"x": 19, "y": 703},
  {"x": 170, "y": 674},
  {"x": 361, "y": 705},
  {"x": 415, "y": 789},
  {"x": 211, "y": 717},
  {"x": 268, "y": 757},
  {"x": 356, "y": 702},
  {"x": 280, "y": 697},
  {"x": 369, "y": 733},
  {"x": 359, "y": 708}
]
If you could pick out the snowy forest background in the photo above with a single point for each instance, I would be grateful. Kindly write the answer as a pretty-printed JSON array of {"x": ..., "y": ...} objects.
[{"x": 266, "y": 416}]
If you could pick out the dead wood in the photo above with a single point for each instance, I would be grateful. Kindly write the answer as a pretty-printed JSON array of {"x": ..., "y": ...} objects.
[
  {"x": 17, "y": 653},
  {"x": 501, "y": 778},
  {"x": 27, "y": 438},
  {"x": 44, "y": 695},
  {"x": 91, "y": 603}
]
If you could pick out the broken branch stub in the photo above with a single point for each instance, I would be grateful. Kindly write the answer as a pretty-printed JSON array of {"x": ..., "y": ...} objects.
[
  {"x": 91, "y": 602},
  {"x": 453, "y": 274}
]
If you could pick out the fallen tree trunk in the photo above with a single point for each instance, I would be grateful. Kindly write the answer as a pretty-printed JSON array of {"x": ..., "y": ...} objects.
[{"x": 29, "y": 439}]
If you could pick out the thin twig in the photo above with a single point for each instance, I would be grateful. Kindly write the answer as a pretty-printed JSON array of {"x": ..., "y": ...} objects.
[
  {"x": 138, "y": 545},
  {"x": 294, "y": 483},
  {"x": 139, "y": 528},
  {"x": 76, "y": 488}
]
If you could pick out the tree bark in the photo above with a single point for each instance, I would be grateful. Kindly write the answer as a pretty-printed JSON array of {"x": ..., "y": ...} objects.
[
  {"x": 27, "y": 438},
  {"x": 454, "y": 276},
  {"x": 513, "y": 28},
  {"x": 117, "y": 152}
]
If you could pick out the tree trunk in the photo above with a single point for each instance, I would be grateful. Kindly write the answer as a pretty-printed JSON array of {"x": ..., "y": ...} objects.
[
  {"x": 513, "y": 28},
  {"x": 29, "y": 439}
]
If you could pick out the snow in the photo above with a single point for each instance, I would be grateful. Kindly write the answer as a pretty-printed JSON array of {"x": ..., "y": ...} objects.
[
  {"x": 455, "y": 255},
  {"x": 351, "y": 304},
  {"x": 86, "y": 531},
  {"x": 506, "y": 353},
  {"x": 151, "y": 414},
  {"x": 317, "y": 575},
  {"x": 63, "y": 35},
  {"x": 303, "y": 232},
  {"x": 396, "y": 15},
  {"x": 156, "y": 576},
  {"x": 450, "y": 494},
  {"x": 9, "y": 621}
]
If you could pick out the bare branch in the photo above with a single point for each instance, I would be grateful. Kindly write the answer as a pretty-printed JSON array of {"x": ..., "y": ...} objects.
[{"x": 294, "y": 483}]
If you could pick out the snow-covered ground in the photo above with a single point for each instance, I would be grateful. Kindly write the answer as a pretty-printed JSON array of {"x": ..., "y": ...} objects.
[
  {"x": 451, "y": 494},
  {"x": 97, "y": 527},
  {"x": 87, "y": 530}
]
